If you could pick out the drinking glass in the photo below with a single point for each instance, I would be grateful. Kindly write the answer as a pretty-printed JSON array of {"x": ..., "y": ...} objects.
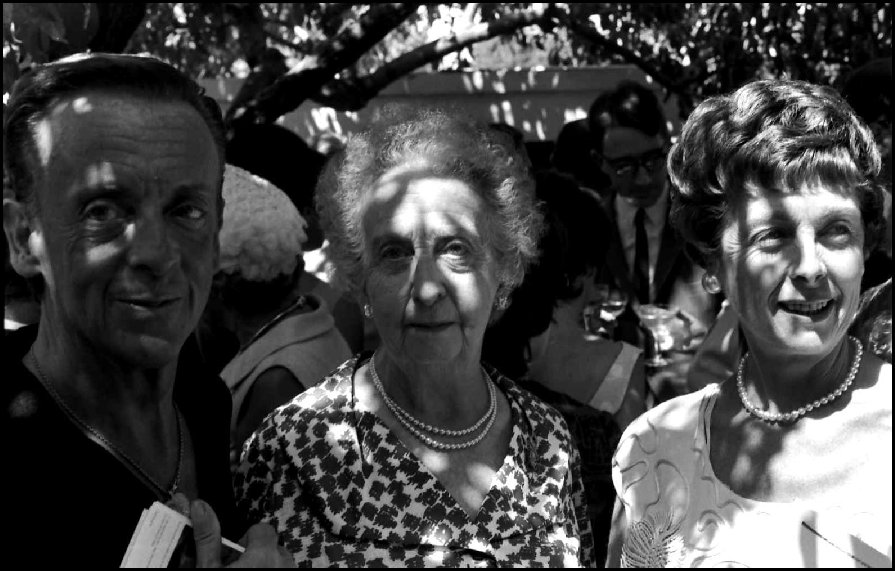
[
  {"x": 593, "y": 325},
  {"x": 615, "y": 303},
  {"x": 657, "y": 319}
]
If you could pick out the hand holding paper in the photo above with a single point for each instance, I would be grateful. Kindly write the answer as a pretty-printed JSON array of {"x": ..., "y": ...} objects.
[
  {"x": 261, "y": 540},
  {"x": 157, "y": 535}
]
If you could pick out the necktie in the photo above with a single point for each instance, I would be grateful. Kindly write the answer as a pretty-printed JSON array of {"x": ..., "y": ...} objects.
[{"x": 641, "y": 257}]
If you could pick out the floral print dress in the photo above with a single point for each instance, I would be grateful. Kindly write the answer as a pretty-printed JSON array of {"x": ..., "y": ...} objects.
[{"x": 342, "y": 490}]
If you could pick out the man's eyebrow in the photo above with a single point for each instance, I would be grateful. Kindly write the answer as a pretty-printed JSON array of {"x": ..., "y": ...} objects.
[
  {"x": 101, "y": 189},
  {"x": 191, "y": 188}
]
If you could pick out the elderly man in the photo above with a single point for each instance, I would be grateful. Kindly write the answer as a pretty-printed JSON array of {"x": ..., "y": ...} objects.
[{"x": 115, "y": 170}]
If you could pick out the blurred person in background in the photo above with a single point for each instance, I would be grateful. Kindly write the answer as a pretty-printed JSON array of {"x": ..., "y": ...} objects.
[
  {"x": 572, "y": 156},
  {"x": 418, "y": 454},
  {"x": 869, "y": 91},
  {"x": 542, "y": 342},
  {"x": 284, "y": 159},
  {"x": 287, "y": 340},
  {"x": 777, "y": 196},
  {"x": 629, "y": 145}
]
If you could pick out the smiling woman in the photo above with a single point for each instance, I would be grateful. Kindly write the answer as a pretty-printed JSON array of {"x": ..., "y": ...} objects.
[
  {"x": 777, "y": 196},
  {"x": 419, "y": 455}
]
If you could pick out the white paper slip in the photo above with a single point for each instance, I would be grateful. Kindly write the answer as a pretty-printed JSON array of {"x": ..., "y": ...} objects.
[{"x": 156, "y": 537}]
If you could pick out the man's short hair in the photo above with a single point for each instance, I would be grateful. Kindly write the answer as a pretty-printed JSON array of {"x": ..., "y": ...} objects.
[
  {"x": 36, "y": 92},
  {"x": 630, "y": 104}
]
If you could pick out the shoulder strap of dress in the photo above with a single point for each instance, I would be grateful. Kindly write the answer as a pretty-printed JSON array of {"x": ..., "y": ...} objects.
[{"x": 612, "y": 390}]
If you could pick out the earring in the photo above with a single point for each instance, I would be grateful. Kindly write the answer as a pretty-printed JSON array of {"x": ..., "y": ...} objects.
[
  {"x": 710, "y": 283},
  {"x": 501, "y": 303},
  {"x": 368, "y": 311}
]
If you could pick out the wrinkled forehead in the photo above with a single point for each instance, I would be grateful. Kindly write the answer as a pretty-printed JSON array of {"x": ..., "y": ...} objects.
[
  {"x": 812, "y": 198},
  {"x": 80, "y": 113},
  {"x": 91, "y": 123},
  {"x": 409, "y": 202}
]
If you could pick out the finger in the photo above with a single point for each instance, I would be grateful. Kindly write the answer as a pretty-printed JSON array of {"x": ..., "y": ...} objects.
[
  {"x": 261, "y": 536},
  {"x": 207, "y": 535},
  {"x": 262, "y": 549},
  {"x": 179, "y": 503},
  {"x": 286, "y": 560}
]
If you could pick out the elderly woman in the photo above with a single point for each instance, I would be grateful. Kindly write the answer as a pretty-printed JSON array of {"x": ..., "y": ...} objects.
[
  {"x": 418, "y": 455},
  {"x": 788, "y": 463},
  {"x": 115, "y": 165}
]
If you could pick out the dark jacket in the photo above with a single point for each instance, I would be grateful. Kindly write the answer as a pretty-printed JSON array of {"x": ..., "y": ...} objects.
[
  {"x": 677, "y": 279},
  {"x": 69, "y": 503}
]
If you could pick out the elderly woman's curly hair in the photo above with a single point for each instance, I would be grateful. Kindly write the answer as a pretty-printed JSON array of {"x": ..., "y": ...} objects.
[
  {"x": 774, "y": 134},
  {"x": 437, "y": 143}
]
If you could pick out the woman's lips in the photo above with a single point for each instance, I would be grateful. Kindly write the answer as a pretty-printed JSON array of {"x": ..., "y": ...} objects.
[
  {"x": 806, "y": 308},
  {"x": 432, "y": 327}
]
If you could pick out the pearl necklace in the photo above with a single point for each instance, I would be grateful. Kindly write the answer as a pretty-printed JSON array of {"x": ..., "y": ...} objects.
[
  {"x": 133, "y": 464},
  {"x": 792, "y": 416},
  {"x": 416, "y": 426}
]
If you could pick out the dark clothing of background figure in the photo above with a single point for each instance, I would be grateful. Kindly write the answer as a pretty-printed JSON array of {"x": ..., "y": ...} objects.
[
  {"x": 71, "y": 504},
  {"x": 596, "y": 433},
  {"x": 677, "y": 280}
]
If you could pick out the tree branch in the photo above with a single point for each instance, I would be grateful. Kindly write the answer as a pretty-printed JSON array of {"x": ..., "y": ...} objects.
[
  {"x": 117, "y": 23},
  {"x": 306, "y": 79},
  {"x": 589, "y": 33},
  {"x": 351, "y": 95},
  {"x": 285, "y": 43}
]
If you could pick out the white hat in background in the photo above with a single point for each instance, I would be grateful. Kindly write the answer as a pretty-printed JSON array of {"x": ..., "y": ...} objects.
[{"x": 262, "y": 232}]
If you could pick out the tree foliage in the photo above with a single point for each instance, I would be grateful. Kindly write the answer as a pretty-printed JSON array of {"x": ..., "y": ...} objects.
[{"x": 342, "y": 54}]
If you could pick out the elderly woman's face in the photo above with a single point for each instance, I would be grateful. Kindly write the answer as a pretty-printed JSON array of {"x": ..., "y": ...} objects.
[
  {"x": 431, "y": 276},
  {"x": 792, "y": 266},
  {"x": 127, "y": 234}
]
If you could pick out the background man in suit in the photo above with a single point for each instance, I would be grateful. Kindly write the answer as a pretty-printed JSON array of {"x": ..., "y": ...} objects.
[{"x": 630, "y": 141}]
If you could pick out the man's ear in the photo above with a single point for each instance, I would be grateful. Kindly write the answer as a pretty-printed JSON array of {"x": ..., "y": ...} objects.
[{"x": 24, "y": 237}]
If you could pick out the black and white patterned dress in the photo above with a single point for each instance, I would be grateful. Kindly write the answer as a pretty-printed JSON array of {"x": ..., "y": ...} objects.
[{"x": 342, "y": 490}]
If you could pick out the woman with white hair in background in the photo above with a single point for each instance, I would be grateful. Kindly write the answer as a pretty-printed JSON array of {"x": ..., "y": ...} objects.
[{"x": 287, "y": 341}]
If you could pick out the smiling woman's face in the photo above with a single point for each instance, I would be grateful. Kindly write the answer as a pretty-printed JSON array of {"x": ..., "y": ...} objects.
[
  {"x": 431, "y": 277},
  {"x": 792, "y": 266}
]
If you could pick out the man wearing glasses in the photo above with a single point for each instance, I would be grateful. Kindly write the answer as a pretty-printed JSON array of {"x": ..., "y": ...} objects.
[{"x": 630, "y": 140}]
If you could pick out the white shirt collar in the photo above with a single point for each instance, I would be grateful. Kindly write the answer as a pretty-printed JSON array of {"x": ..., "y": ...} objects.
[{"x": 655, "y": 214}]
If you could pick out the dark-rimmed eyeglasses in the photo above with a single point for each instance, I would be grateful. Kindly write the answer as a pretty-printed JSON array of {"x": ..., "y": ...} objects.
[{"x": 628, "y": 166}]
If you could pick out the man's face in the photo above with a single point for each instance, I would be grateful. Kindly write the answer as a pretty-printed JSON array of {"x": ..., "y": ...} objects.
[
  {"x": 635, "y": 163},
  {"x": 126, "y": 230}
]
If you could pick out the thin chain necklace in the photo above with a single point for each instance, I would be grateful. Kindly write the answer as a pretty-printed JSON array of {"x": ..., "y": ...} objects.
[
  {"x": 170, "y": 491},
  {"x": 416, "y": 426},
  {"x": 792, "y": 416}
]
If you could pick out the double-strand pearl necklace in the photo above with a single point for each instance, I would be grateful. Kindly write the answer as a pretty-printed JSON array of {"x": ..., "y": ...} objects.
[
  {"x": 133, "y": 464},
  {"x": 417, "y": 426},
  {"x": 792, "y": 416}
]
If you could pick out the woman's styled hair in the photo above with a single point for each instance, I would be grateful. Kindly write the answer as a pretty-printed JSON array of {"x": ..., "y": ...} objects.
[
  {"x": 774, "y": 134},
  {"x": 441, "y": 144}
]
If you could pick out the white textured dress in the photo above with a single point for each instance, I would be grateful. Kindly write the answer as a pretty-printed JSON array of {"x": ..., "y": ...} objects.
[{"x": 679, "y": 514}]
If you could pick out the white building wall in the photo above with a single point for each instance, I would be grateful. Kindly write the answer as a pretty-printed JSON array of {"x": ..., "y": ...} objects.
[{"x": 536, "y": 101}]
